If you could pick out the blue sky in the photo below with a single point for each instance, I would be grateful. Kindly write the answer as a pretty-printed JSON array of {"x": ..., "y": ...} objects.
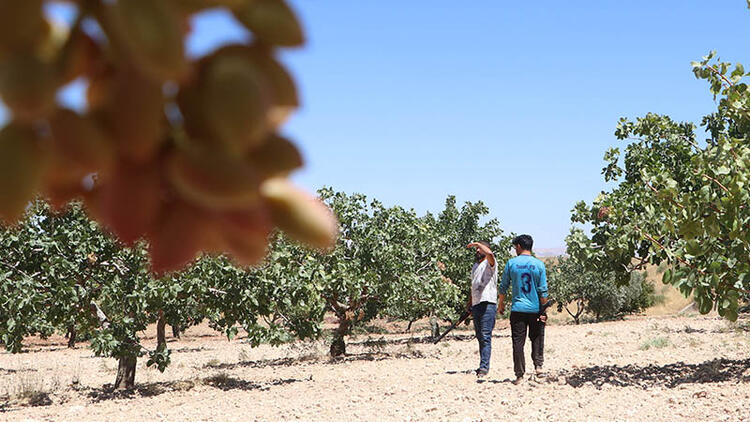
[{"x": 511, "y": 103}]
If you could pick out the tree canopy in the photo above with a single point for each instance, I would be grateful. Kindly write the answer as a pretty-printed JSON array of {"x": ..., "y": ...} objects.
[{"x": 679, "y": 199}]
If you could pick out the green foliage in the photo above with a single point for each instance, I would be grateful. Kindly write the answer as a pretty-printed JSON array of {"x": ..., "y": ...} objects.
[
  {"x": 455, "y": 228},
  {"x": 384, "y": 263},
  {"x": 60, "y": 270},
  {"x": 679, "y": 200},
  {"x": 268, "y": 302},
  {"x": 638, "y": 294},
  {"x": 64, "y": 272},
  {"x": 579, "y": 290},
  {"x": 390, "y": 262}
]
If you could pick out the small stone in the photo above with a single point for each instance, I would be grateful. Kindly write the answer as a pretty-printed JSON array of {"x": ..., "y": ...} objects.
[{"x": 75, "y": 409}]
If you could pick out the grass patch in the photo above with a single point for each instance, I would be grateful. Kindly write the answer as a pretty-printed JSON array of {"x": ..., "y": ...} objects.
[
  {"x": 656, "y": 343},
  {"x": 29, "y": 388}
]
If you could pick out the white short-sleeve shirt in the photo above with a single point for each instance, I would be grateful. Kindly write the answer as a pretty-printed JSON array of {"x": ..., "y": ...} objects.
[{"x": 483, "y": 282}]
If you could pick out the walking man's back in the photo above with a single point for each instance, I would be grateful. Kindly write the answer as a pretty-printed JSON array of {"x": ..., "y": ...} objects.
[{"x": 528, "y": 276}]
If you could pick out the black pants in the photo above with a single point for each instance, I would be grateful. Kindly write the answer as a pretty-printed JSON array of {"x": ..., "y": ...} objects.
[{"x": 520, "y": 323}]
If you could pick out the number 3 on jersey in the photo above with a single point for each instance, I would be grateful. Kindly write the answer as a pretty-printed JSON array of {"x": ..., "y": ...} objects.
[{"x": 526, "y": 280}]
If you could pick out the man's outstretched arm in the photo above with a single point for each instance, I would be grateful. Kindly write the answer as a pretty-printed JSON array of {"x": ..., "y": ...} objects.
[{"x": 485, "y": 250}]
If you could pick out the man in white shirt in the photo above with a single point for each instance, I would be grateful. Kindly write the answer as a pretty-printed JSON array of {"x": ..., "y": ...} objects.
[{"x": 483, "y": 301}]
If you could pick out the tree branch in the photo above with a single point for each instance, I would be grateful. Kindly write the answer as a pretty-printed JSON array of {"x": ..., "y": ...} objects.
[
  {"x": 670, "y": 199},
  {"x": 651, "y": 238},
  {"x": 100, "y": 315},
  {"x": 217, "y": 291},
  {"x": 724, "y": 188},
  {"x": 724, "y": 78}
]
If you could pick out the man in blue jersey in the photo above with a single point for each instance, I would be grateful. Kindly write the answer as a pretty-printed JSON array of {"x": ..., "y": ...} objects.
[
  {"x": 528, "y": 276},
  {"x": 483, "y": 301}
]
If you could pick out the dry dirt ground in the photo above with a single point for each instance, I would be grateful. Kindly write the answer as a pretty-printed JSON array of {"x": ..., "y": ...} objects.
[{"x": 644, "y": 368}]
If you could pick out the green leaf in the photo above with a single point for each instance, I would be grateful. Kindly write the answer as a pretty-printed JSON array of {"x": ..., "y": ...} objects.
[
  {"x": 666, "y": 278},
  {"x": 731, "y": 315}
]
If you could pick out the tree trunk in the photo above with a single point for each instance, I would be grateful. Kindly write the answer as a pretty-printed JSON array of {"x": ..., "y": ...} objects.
[
  {"x": 72, "y": 337},
  {"x": 434, "y": 327},
  {"x": 161, "y": 335},
  {"x": 126, "y": 373},
  {"x": 176, "y": 331},
  {"x": 408, "y": 327},
  {"x": 580, "y": 306},
  {"x": 338, "y": 347}
]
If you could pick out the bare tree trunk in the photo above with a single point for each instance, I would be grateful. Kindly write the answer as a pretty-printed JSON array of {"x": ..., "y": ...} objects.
[
  {"x": 176, "y": 331},
  {"x": 161, "y": 335},
  {"x": 434, "y": 327},
  {"x": 408, "y": 327},
  {"x": 338, "y": 347},
  {"x": 579, "y": 310},
  {"x": 72, "y": 336},
  {"x": 126, "y": 373}
]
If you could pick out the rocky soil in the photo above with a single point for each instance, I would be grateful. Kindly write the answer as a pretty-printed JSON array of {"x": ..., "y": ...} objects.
[{"x": 643, "y": 368}]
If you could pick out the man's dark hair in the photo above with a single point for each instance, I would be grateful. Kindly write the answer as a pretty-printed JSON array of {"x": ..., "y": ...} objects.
[
  {"x": 487, "y": 244},
  {"x": 524, "y": 241}
]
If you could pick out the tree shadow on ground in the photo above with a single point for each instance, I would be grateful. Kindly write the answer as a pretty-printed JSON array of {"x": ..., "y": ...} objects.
[
  {"x": 29, "y": 399},
  {"x": 316, "y": 359},
  {"x": 418, "y": 340},
  {"x": 226, "y": 383},
  {"x": 45, "y": 349},
  {"x": 465, "y": 372},
  {"x": 375, "y": 356},
  {"x": 140, "y": 390},
  {"x": 13, "y": 371},
  {"x": 223, "y": 382},
  {"x": 190, "y": 349},
  {"x": 670, "y": 376}
]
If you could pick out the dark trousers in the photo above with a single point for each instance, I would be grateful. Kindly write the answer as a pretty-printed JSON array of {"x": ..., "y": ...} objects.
[
  {"x": 484, "y": 321},
  {"x": 520, "y": 323}
]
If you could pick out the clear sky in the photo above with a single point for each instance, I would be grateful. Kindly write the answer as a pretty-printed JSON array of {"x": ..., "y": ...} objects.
[{"x": 511, "y": 103}]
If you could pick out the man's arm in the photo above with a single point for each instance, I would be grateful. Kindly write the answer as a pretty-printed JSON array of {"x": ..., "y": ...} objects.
[
  {"x": 503, "y": 289},
  {"x": 485, "y": 250},
  {"x": 542, "y": 287},
  {"x": 542, "y": 291}
]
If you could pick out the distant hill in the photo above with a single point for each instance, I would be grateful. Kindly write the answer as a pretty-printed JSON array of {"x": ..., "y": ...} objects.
[{"x": 549, "y": 252}]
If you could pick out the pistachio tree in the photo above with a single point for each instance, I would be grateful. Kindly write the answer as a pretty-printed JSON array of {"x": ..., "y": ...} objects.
[
  {"x": 455, "y": 228},
  {"x": 61, "y": 272},
  {"x": 579, "y": 290},
  {"x": 679, "y": 197}
]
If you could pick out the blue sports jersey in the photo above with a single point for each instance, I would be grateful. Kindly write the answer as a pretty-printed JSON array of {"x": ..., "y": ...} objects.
[{"x": 529, "y": 278}]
